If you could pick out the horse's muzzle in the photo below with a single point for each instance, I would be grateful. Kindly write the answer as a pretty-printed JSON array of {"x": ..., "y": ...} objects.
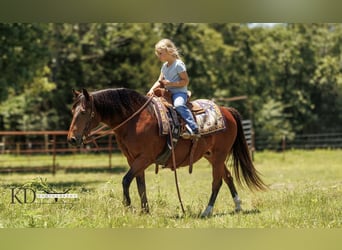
[{"x": 74, "y": 141}]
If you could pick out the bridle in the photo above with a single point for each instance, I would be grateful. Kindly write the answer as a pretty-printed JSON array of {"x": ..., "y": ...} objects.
[{"x": 86, "y": 130}]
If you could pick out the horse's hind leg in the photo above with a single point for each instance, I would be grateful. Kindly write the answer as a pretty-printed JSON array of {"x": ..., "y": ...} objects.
[
  {"x": 229, "y": 180},
  {"x": 216, "y": 185},
  {"x": 142, "y": 192}
]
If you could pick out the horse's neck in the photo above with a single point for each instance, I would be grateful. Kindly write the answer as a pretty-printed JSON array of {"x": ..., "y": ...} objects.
[{"x": 114, "y": 114}]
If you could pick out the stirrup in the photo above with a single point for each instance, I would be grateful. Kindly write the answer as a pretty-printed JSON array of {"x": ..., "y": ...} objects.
[
  {"x": 187, "y": 136},
  {"x": 190, "y": 134}
]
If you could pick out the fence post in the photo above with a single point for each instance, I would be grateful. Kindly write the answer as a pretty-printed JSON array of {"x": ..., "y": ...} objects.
[
  {"x": 248, "y": 131},
  {"x": 54, "y": 155},
  {"x": 17, "y": 148},
  {"x": 110, "y": 150},
  {"x": 283, "y": 145},
  {"x": 3, "y": 145}
]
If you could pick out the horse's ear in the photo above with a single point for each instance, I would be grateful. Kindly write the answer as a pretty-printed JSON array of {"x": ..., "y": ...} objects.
[
  {"x": 76, "y": 93},
  {"x": 86, "y": 94}
]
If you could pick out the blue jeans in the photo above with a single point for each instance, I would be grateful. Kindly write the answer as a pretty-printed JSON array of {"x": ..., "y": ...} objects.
[{"x": 179, "y": 100}]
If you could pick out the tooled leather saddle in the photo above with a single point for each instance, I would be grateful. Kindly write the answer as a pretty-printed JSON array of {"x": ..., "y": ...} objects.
[{"x": 206, "y": 113}]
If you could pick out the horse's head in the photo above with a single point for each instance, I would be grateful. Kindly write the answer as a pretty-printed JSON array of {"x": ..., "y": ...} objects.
[{"x": 84, "y": 117}]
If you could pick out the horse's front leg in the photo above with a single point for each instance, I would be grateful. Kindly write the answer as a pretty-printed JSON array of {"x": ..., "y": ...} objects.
[
  {"x": 216, "y": 185},
  {"x": 126, "y": 182},
  {"x": 229, "y": 180},
  {"x": 142, "y": 192},
  {"x": 136, "y": 170}
]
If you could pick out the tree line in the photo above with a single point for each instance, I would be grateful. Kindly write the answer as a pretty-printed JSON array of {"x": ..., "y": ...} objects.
[{"x": 290, "y": 73}]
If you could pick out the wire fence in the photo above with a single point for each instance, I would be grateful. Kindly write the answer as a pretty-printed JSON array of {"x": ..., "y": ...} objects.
[
  {"x": 49, "y": 150},
  {"x": 304, "y": 141}
]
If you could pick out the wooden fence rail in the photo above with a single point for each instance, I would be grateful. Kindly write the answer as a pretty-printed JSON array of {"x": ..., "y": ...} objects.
[
  {"x": 305, "y": 141},
  {"x": 52, "y": 143}
]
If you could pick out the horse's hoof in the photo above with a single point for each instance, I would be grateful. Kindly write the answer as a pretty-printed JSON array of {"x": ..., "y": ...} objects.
[
  {"x": 237, "y": 202},
  {"x": 207, "y": 212},
  {"x": 238, "y": 210},
  {"x": 145, "y": 210},
  {"x": 126, "y": 203}
]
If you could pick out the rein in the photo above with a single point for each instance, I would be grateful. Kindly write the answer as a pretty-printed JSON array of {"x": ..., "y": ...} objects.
[
  {"x": 175, "y": 170},
  {"x": 137, "y": 112}
]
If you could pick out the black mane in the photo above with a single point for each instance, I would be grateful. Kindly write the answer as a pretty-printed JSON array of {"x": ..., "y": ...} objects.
[{"x": 121, "y": 102}]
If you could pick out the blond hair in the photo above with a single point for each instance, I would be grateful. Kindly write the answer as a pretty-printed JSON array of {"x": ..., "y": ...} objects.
[{"x": 169, "y": 46}]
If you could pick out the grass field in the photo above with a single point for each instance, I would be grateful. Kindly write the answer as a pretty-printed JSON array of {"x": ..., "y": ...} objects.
[{"x": 305, "y": 192}]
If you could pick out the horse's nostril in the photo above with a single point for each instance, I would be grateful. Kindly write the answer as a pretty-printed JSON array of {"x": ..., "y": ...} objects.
[{"x": 73, "y": 140}]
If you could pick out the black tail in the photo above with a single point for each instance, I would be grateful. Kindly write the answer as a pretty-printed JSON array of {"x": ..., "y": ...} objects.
[{"x": 242, "y": 161}]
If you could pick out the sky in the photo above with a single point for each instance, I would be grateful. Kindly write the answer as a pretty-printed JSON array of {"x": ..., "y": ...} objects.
[{"x": 253, "y": 25}]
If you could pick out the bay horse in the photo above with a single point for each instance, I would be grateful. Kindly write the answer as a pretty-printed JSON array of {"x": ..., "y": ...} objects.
[{"x": 131, "y": 116}]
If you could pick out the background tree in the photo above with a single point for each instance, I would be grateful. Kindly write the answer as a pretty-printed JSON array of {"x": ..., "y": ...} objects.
[{"x": 291, "y": 73}]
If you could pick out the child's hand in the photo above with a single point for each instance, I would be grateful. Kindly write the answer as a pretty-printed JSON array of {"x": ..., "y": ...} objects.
[{"x": 164, "y": 83}]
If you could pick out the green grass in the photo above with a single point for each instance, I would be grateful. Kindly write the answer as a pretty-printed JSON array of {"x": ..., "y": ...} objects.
[
  {"x": 305, "y": 192},
  {"x": 62, "y": 161}
]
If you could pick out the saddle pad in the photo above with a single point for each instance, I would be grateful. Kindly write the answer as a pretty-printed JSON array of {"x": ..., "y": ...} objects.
[
  {"x": 161, "y": 114},
  {"x": 211, "y": 120}
]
